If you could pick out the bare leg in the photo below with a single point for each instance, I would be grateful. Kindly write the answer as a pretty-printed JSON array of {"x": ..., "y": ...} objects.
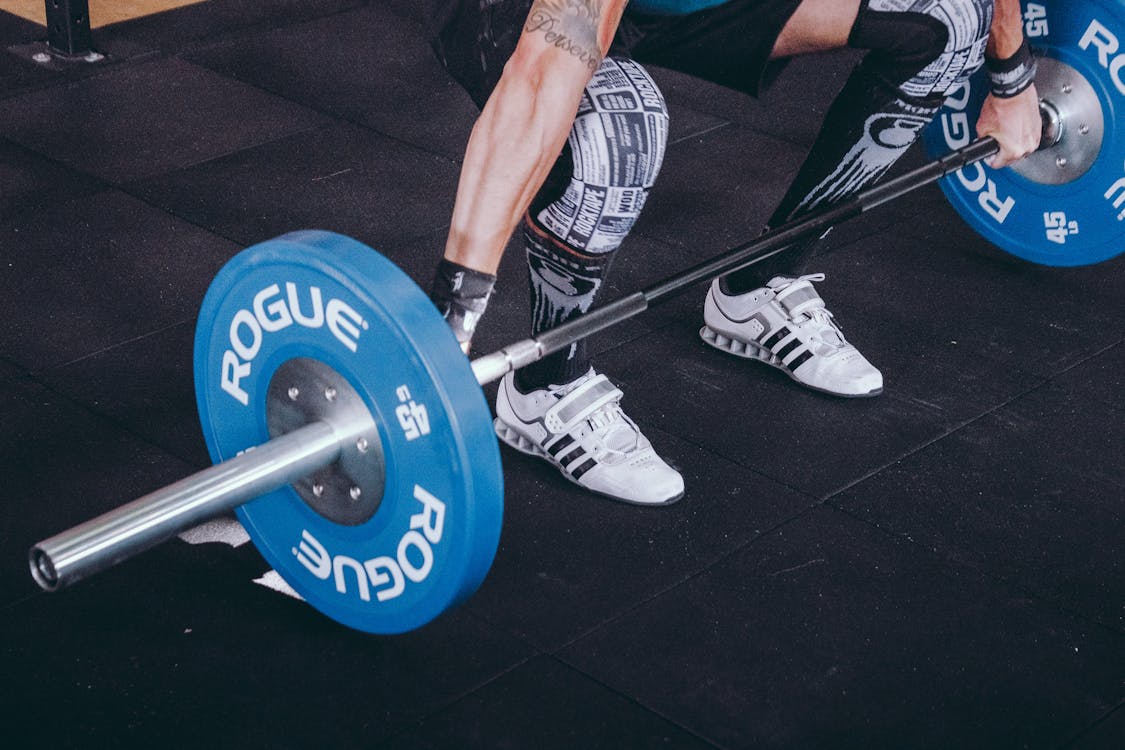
[{"x": 817, "y": 26}]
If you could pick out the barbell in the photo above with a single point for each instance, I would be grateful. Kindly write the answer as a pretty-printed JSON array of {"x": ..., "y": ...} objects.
[{"x": 350, "y": 434}]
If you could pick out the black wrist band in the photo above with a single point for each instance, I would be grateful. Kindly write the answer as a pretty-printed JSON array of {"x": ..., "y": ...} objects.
[
  {"x": 1012, "y": 75},
  {"x": 461, "y": 295}
]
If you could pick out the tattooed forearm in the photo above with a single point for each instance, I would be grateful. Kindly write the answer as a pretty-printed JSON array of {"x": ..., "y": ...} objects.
[{"x": 570, "y": 25}]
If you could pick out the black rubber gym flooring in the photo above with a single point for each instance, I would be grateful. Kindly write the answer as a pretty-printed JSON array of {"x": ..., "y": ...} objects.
[{"x": 940, "y": 567}]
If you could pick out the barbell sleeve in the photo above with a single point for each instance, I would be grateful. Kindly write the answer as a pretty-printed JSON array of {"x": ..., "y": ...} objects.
[{"x": 126, "y": 531}]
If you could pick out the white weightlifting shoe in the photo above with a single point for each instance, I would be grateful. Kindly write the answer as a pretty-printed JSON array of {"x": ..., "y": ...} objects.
[
  {"x": 785, "y": 324},
  {"x": 580, "y": 428}
]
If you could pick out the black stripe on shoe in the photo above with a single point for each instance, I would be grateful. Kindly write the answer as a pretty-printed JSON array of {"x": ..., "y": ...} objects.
[
  {"x": 799, "y": 360},
  {"x": 559, "y": 445},
  {"x": 573, "y": 458},
  {"x": 588, "y": 464},
  {"x": 786, "y": 350},
  {"x": 777, "y": 336}
]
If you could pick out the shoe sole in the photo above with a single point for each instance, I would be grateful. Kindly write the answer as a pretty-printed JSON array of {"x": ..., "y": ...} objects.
[
  {"x": 517, "y": 440},
  {"x": 753, "y": 351}
]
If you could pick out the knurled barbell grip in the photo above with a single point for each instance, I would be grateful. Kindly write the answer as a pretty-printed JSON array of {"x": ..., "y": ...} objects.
[{"x": 494, "y": 366}]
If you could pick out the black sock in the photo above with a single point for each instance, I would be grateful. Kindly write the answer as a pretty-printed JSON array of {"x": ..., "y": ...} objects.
[
  {"x": 868, "y": 127},
  {"x": 564, "y": 283},
  {"x": 461, "y": 296}
]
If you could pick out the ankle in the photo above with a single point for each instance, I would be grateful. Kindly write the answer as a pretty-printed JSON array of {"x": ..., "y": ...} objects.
[
  {"x": 741, "y": 281},
  {"x": 549, "y": 372}
]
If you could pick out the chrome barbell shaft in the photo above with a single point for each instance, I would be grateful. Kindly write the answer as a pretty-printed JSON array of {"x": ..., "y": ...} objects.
[{"x": 147, "y": 521}]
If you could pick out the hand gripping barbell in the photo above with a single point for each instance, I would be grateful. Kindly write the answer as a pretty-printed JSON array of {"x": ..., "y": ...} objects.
[{"x": 349, "y": 432}]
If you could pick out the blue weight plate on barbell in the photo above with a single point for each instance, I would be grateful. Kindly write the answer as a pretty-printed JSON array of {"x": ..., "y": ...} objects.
[
  {"x": 1063, "y": 206},
  {"x": 432, "y": 538}
]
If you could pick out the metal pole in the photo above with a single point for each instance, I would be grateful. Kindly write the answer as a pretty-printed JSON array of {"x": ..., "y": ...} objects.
[
  {"x": 123, "y": 532},
  {"x": 494, "y": 366},
  {"x": 68, "y": 28}
]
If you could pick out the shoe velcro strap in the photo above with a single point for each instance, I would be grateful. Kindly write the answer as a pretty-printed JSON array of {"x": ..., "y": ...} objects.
[
  {"x": 799, "y": 298},
  {"x": 580, "y": 404}
]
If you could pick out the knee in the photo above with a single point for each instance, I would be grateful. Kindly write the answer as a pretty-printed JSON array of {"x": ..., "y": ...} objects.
[
  {"x": 968, "y": 23},
  {"x": 923, "y": 53},
  {"x": 621, "y": 131},
  {"x": 616, "y": 150},
  {"x": 921, "y": 41}
]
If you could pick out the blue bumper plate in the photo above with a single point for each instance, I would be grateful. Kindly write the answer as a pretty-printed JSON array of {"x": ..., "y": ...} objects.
[
  {"x": 434, "y": 534},
  {"x": 1063, "y": 206}
]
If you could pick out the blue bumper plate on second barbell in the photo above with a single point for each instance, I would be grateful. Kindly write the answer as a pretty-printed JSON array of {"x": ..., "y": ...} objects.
[
  {"x": 1063, "y": 206},
  {"x": 326, "y": 297}
]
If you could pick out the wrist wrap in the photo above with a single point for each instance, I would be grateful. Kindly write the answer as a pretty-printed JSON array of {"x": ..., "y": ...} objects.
[
  {"x": 1013, "y": 75},
  {"x": 461, "y": 295}
]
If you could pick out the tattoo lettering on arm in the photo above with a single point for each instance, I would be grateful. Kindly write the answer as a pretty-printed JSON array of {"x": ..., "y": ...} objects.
[{"x": 569, "y": 25}]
